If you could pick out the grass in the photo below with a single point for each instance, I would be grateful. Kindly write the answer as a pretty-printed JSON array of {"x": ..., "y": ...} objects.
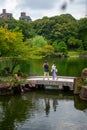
[
  {"x": 76, "y": 53},
  {"x": 73, "y": 53}
]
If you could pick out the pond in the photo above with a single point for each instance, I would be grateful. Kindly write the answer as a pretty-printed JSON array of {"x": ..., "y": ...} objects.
[
  {"x": 65, "y": 66},
  {"x": 43, "y": 110}
]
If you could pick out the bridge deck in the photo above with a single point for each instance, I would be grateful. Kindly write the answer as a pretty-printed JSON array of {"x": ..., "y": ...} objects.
[{"x": 60, "y": 82}]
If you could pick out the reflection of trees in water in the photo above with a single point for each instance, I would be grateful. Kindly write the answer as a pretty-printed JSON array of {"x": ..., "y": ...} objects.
[
  {"x": 79, "y": 104},
  {"x": 14, "y": 110}
]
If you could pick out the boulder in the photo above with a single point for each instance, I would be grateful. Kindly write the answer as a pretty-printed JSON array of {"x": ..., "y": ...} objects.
[
  {"x": 83, "y": 93},
  {"x": 84, "y": 73}
]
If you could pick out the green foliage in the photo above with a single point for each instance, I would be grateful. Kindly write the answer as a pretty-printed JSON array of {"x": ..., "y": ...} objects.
[
  {"x": 85, "y": 82},
  {"x": 74, "y": 43},
  {"x": 79, "y": 82},
  {"x": 85, "y": 45},
  {"x": 38, "y": 41},
  {"x": 54, "y": 29},
  {"x": 24, "y": 26},
  {"x": 82, "y": 31},
  {"x": 55, "y": 45},
  {"x": 11, "y": 43},
  {"x": 62, "y": 47},
  {"x": 39, "y": 47},
  {"x": 47, "y": 50},
  {"x": 13, "y": 47}
]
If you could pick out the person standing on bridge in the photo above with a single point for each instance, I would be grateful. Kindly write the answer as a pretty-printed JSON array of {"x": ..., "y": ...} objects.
[
  {"x": 46, "y": 70},
  {"x": 54, "y": 71}
]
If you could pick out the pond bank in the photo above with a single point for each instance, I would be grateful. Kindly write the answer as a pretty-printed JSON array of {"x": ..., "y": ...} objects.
[
  {"x": 83, "y": 93},
  {"x": 6, "y": 89}
]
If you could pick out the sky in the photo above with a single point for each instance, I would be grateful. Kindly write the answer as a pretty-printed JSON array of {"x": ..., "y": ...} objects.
[{"x": 37, "y": 9}]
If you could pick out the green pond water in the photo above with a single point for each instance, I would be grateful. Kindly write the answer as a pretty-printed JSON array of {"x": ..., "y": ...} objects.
[{"x": 65, "y": 66}]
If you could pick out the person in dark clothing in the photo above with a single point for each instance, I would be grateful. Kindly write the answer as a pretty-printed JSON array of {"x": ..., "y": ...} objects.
[{"x": 46, "y": 70}]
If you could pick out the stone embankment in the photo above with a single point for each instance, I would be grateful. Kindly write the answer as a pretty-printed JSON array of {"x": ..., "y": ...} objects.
[
  {"x": 80, "y": 85},
  {"x": 83, "y": 91}
]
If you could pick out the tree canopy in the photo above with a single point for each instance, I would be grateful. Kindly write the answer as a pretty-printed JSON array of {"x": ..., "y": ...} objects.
[{"x": 53, "y": 30}]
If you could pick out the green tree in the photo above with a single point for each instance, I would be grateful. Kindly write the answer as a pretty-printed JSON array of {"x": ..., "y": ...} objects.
[
  {"x": 39, "y": 47},
  {"x": 38, "y": 41},
  {"x": 47, "y": 50},
  {"x": 55, "y": 45},
  {"x": 56, "y": 28},
  {"x": 74, "y": 43},
  {"x": 82, "y": 31},
  {"x": 62, "y": 47},
  {"x": 24, "y": 26},
  {"x": 11, "y": 43},
  {"x": 12, "y": 46}
]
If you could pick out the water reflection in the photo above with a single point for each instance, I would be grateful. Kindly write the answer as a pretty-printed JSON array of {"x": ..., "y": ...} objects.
[
  {"x": 42, "y": 111},
  {"x": 12, "y": 111},
  {"x": 55, "y": 104},
  {"x": 79, "y": 104},
  {"x": 47, "y": 105}
]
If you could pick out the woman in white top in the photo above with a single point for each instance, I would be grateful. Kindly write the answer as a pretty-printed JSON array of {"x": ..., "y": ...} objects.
[{"x": 54, "y": 71}]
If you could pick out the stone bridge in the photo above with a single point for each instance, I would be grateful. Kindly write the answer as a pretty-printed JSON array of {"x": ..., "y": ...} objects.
[{"x": 59, "y": 83}]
